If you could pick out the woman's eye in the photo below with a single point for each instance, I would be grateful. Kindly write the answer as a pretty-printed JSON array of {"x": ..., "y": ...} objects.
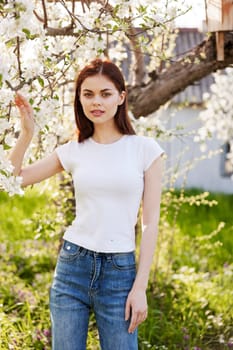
[{"x": 89, "y": 94}]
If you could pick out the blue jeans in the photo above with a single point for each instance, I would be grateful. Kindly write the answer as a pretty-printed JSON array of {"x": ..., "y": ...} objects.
[{"x": 85, "y": 280}]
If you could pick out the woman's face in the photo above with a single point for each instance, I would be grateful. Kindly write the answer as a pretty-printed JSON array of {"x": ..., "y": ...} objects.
[{"x": 100, "y": 99}]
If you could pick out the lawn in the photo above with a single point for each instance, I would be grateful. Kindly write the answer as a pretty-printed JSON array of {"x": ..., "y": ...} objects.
[{"x": 190, "y": 290}]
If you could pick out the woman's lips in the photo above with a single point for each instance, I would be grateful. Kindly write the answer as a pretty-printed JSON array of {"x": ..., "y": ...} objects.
[{"x": 97, "y": 112}]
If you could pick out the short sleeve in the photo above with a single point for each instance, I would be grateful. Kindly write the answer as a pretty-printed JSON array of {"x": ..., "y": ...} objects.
[
  {"x": 64, "y": 153},
  {"x": 151, "y": 151}
]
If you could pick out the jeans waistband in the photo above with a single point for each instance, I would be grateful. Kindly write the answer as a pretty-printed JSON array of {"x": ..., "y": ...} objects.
[{"x": 85, "y": 251}]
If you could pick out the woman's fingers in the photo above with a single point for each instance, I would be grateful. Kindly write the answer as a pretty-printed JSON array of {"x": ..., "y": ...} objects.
[
  {"x": 20, "y": 100},
  {"x": 136, "y": 305},
  {"x": 127, "y": 310},
  {"x": 22, "y": 103},
  {"x": 136, "y": 319},
  {"x": 26, "y": 112}
]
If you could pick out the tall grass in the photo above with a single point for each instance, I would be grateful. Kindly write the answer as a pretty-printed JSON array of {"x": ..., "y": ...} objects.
[{"x": 190, "y": 289}]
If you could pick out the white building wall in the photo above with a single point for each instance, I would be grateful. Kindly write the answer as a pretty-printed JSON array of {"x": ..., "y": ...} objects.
[{"x": 183, "y": 152}]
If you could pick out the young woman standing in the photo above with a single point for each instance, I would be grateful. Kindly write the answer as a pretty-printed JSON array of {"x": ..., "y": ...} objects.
[{"x": 113, "y": 170}]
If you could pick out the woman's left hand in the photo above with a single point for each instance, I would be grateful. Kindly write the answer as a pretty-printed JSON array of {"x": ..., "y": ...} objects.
[
  {"x": 26, "y": 114},
  {"x": 136, "y": 308}
]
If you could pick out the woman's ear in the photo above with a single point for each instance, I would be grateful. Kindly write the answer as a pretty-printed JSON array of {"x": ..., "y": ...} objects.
[{"x": 122, "y": 98}]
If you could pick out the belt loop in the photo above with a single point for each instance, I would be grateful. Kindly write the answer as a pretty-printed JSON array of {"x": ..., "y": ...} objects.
[{"x": 82, "y": 251}]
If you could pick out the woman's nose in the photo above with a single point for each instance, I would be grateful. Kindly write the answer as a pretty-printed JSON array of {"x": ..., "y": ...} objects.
[{"x": 96, "y": 100}]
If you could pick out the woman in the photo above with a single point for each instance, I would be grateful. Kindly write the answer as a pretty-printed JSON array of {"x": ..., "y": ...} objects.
[{"x": 112, "y": 170}]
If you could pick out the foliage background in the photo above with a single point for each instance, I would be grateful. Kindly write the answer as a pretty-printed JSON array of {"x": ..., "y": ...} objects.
[{"x": 190, "y": 288}]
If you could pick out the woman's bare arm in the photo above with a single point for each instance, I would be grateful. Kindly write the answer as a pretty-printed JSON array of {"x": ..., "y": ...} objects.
[
  {"x": 137, "y": 301},
  {"x": 41, "y": 170}
]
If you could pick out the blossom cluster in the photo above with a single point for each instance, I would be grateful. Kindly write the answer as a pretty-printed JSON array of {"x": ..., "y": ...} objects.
[
  {"x": 8, "y": 183},
  {"x": 217, "y": 118}
]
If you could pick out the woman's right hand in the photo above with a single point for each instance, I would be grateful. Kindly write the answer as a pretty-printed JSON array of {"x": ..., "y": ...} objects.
[{"x": 26, "y": 114}]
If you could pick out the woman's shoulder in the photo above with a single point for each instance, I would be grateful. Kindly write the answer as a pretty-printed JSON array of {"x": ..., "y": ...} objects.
[
  {"x": 142, "y": 140},
  {"x": 72, "y": 144},
  {"x": 146, "y": 144},
  {"x": 68, "y": 148},
  {"x": 147, "y": 148}
]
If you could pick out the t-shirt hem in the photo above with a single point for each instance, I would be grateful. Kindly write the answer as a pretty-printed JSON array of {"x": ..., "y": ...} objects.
[{"x": 125, "y": 249}]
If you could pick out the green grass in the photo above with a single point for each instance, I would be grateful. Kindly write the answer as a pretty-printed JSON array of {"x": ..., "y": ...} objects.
[
  {"x": 190, "y": 290},
  {"x": 17, "y": 212},
  {"x": 197, "y": 217},
  {"x": 198, "y": 220},
  {"x": 191, "y": 287}
]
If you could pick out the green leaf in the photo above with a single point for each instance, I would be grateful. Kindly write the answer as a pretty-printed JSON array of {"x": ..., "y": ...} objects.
[
  {"x": 116, "y": 9},
  {"x": 28, "y": 34},
  {"x": 3, "y": 172},
  {"x": 41, "y": 81},
  {"x": 115, "y": 28},
  {"x": 6, "y": 147}
]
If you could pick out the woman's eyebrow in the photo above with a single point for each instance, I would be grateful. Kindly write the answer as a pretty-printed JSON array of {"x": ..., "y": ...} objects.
[{"x": 107, "y": 89}]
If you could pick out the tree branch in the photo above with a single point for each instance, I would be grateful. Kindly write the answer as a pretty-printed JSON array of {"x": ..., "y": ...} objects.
[
  {"x": 21, "y": 84},
  {"x": 144, "y": 100},
  {"x": 139, "y": 64},
  {"x": 18, "y": 56},
  {"x": 45, "y": 14}
]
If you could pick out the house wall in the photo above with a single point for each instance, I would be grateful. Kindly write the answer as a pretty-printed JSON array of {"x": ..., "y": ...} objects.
[{"x": 182, "y": 154}]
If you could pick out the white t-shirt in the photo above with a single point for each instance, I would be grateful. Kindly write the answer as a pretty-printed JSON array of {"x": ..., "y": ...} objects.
[{"x": 108, "y": 183}]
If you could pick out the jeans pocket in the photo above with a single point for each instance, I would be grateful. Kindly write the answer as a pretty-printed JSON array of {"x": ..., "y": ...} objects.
[
  {"x": 69, "y": 251},
  {"x": 124, "y": 261}
]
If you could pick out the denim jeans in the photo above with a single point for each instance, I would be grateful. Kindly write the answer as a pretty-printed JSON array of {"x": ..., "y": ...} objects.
[{"x": 85, "y": 280}]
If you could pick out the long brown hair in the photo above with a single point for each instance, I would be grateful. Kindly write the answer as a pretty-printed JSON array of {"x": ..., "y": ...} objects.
[{"x": 113, "y": 73}]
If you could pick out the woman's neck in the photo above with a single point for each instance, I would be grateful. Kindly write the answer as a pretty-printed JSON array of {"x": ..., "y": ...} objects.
[{"x": 106, "y": 135}]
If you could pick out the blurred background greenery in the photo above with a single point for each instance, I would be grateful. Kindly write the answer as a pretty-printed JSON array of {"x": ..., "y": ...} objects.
[{"x": 190, "y": 289}]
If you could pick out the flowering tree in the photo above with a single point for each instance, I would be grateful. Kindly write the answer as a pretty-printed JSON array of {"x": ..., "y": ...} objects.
[
  {"x": 44, "y": 43},
  {"x": 217, "y": 118}
]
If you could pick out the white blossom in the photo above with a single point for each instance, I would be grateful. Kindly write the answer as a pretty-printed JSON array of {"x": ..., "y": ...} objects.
[
  {"x": 4, "y": 124},
  {"x": 217, "y": 118},
  {"x": 10, "y": 139},
  {"x": 11, "y": 184}
]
